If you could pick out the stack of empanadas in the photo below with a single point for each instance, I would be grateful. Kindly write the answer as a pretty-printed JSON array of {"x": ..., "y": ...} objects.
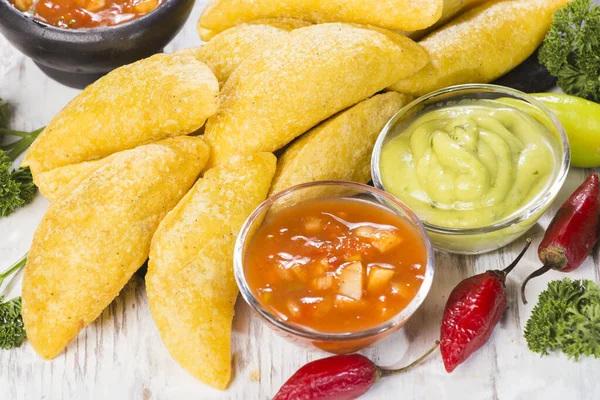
[{"x": 129, "y": 178}]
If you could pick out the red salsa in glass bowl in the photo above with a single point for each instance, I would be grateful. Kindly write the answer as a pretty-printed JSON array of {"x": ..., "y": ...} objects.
[{"x": 332, "y": 264}]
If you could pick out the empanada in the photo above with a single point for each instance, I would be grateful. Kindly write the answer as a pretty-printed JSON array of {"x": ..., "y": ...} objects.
[
  {"x": 52, "y": 184},
  {"x": 92, "y": 240},
  {"x": 339, "y": 148},
  {"x": 275, "y": 96},
  {"x": 482, "y": 44},
  {"x": 408, "y": 15},
  {"x": 190, "y": 283},
  {"x": 162, "y": 96},
  {"x": 287, "y": 24},
  {"x": 451, "y": 9},
  {"x": 229, "y": 48}
]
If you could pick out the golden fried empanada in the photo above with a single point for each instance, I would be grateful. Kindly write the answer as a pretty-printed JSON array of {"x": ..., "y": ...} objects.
[
  {"x": 229, "y": 48},
  {"x": 289, "y": 24},
  {"x": 482, "y": 44},
  {"x": 274, "y": 97},
  {"x": 451, "y": 9},
  {"x": 339, "y": 148},
  {"x": 52, "y": 184},
  {"x": 162, "y": 96},
  {"x": 286, "y": 24},
  {"x": 190, "y": 283},
  {"x": 92, "y": 240},
  {"x": 408, "y": 15}
]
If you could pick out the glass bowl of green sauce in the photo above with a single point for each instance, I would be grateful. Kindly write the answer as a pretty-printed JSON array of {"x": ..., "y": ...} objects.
[{"x": 478, "y": 164}]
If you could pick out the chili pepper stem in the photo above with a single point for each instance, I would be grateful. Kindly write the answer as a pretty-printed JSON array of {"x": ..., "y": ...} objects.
[
  {"x": 541, "y": 271},
  {"x": 382, "y": 373},
  {"x": 512, "y": 265}
]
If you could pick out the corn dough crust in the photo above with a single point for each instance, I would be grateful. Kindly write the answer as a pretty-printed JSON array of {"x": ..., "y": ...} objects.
[
  {"x": 227, "y": 50},
  {"x": 190, "y": 283},
  {"x": 339, "y": 148},
  {"x": 52, "y": 184},
  {"x": 482, "y": 44},
  {"x": 163, "y": 96},
  {"x": 287, "y": 24},
  {"x": 91, "y": 241},
  {"x": 408, "y": 15},
  {"x": 272, "y": 98}
]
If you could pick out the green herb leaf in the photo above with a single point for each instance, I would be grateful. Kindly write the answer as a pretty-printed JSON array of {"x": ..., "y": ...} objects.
[
  {"x": 566, "y": 318},
  {"x": 12, "y": 330},
  {"x": 571, "y": 49},
  {"x": 16, "y": 186}
]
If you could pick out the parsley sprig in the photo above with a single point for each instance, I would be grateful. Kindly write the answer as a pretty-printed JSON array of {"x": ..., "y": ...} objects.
[
  {"x": 16, "y": 185},
  {"x": 12, "y": 330},
  {"x": 566, "y": 318},
  {"x": 571, "y": 49}
]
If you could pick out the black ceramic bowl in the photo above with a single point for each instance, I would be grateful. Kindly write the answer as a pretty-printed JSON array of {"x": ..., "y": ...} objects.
[{"x": 78, "y": 57}]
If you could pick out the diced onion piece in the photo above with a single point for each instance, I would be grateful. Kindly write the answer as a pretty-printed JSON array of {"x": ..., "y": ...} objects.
[
  {"x": 351, "y": 280},
  {"x": 382, "y": 239},
  {"x": 378, "y": 278},
  {"x": 300, "y": 272},
  {"x": 145, "y": 6},
  {"x": 266, "y": 297},
  {"x": 23, "y": 5},
  {"x": 95, "y": 5},
  {"x": 343, "y": 302},
  {"x": 312, "y": 225},
  {"x": 320, "y": 267},
  {"x": 323, "y": 282},
  {"x": 293, "y": 307},
  {"x": 353, "y": 257},
  {"x": 365, "y": 232},
  {"x": 285, "y": 273},
  {"x": 386, "y": 240}
]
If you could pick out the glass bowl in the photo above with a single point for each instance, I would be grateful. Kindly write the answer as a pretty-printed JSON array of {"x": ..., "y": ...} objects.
[
  {"x": 490, "y": 237},
  {"x": 345, "y": 342}
]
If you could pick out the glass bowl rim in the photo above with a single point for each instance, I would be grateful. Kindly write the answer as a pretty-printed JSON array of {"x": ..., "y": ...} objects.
[
  {"x": 307, "y": 333},
  {"x": 532, "y": 208}
]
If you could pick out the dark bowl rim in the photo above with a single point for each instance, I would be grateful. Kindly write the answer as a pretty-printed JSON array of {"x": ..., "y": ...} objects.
[{"x": 152, "y": 16}]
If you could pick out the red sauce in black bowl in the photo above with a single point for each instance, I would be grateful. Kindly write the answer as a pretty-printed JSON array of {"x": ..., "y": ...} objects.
[
  {"x": 80, "y": 14},
  {"x": 78, "y": 56}
]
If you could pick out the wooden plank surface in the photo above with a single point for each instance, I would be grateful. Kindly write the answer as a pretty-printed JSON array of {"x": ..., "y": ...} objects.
[{"x": 120, "y": 356}]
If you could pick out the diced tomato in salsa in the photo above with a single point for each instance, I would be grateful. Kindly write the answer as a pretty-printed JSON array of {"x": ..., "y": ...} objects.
[
  {"x": 336, "y": 265},
  {"x": 77, "y": 14}
]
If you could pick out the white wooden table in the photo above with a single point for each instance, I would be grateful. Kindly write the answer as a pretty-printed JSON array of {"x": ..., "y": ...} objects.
[{"x": 121, "y": 356}]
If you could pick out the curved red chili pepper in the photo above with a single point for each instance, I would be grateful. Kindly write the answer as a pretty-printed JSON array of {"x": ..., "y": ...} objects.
[
  {"x": 472, "y": 311},
  {"x": 573, "y": 232},
  {"x": 343, "y": 377}
]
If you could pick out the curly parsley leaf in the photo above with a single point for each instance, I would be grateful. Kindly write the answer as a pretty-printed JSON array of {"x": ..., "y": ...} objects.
[
  {"x": 571, "y": 49},
  {"x": 566, "y": 318},
  {"x": 12, "y": 330}
]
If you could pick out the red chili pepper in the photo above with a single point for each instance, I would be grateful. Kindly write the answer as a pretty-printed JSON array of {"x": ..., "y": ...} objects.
[
  {"x": 343, "y": 377},
  {"x": 472, "y": 311},
  {"x": 572, "y": 233}
]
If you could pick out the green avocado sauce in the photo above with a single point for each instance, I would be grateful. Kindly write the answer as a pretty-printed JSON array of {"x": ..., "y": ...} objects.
[{"x": 470, "y": 165}]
